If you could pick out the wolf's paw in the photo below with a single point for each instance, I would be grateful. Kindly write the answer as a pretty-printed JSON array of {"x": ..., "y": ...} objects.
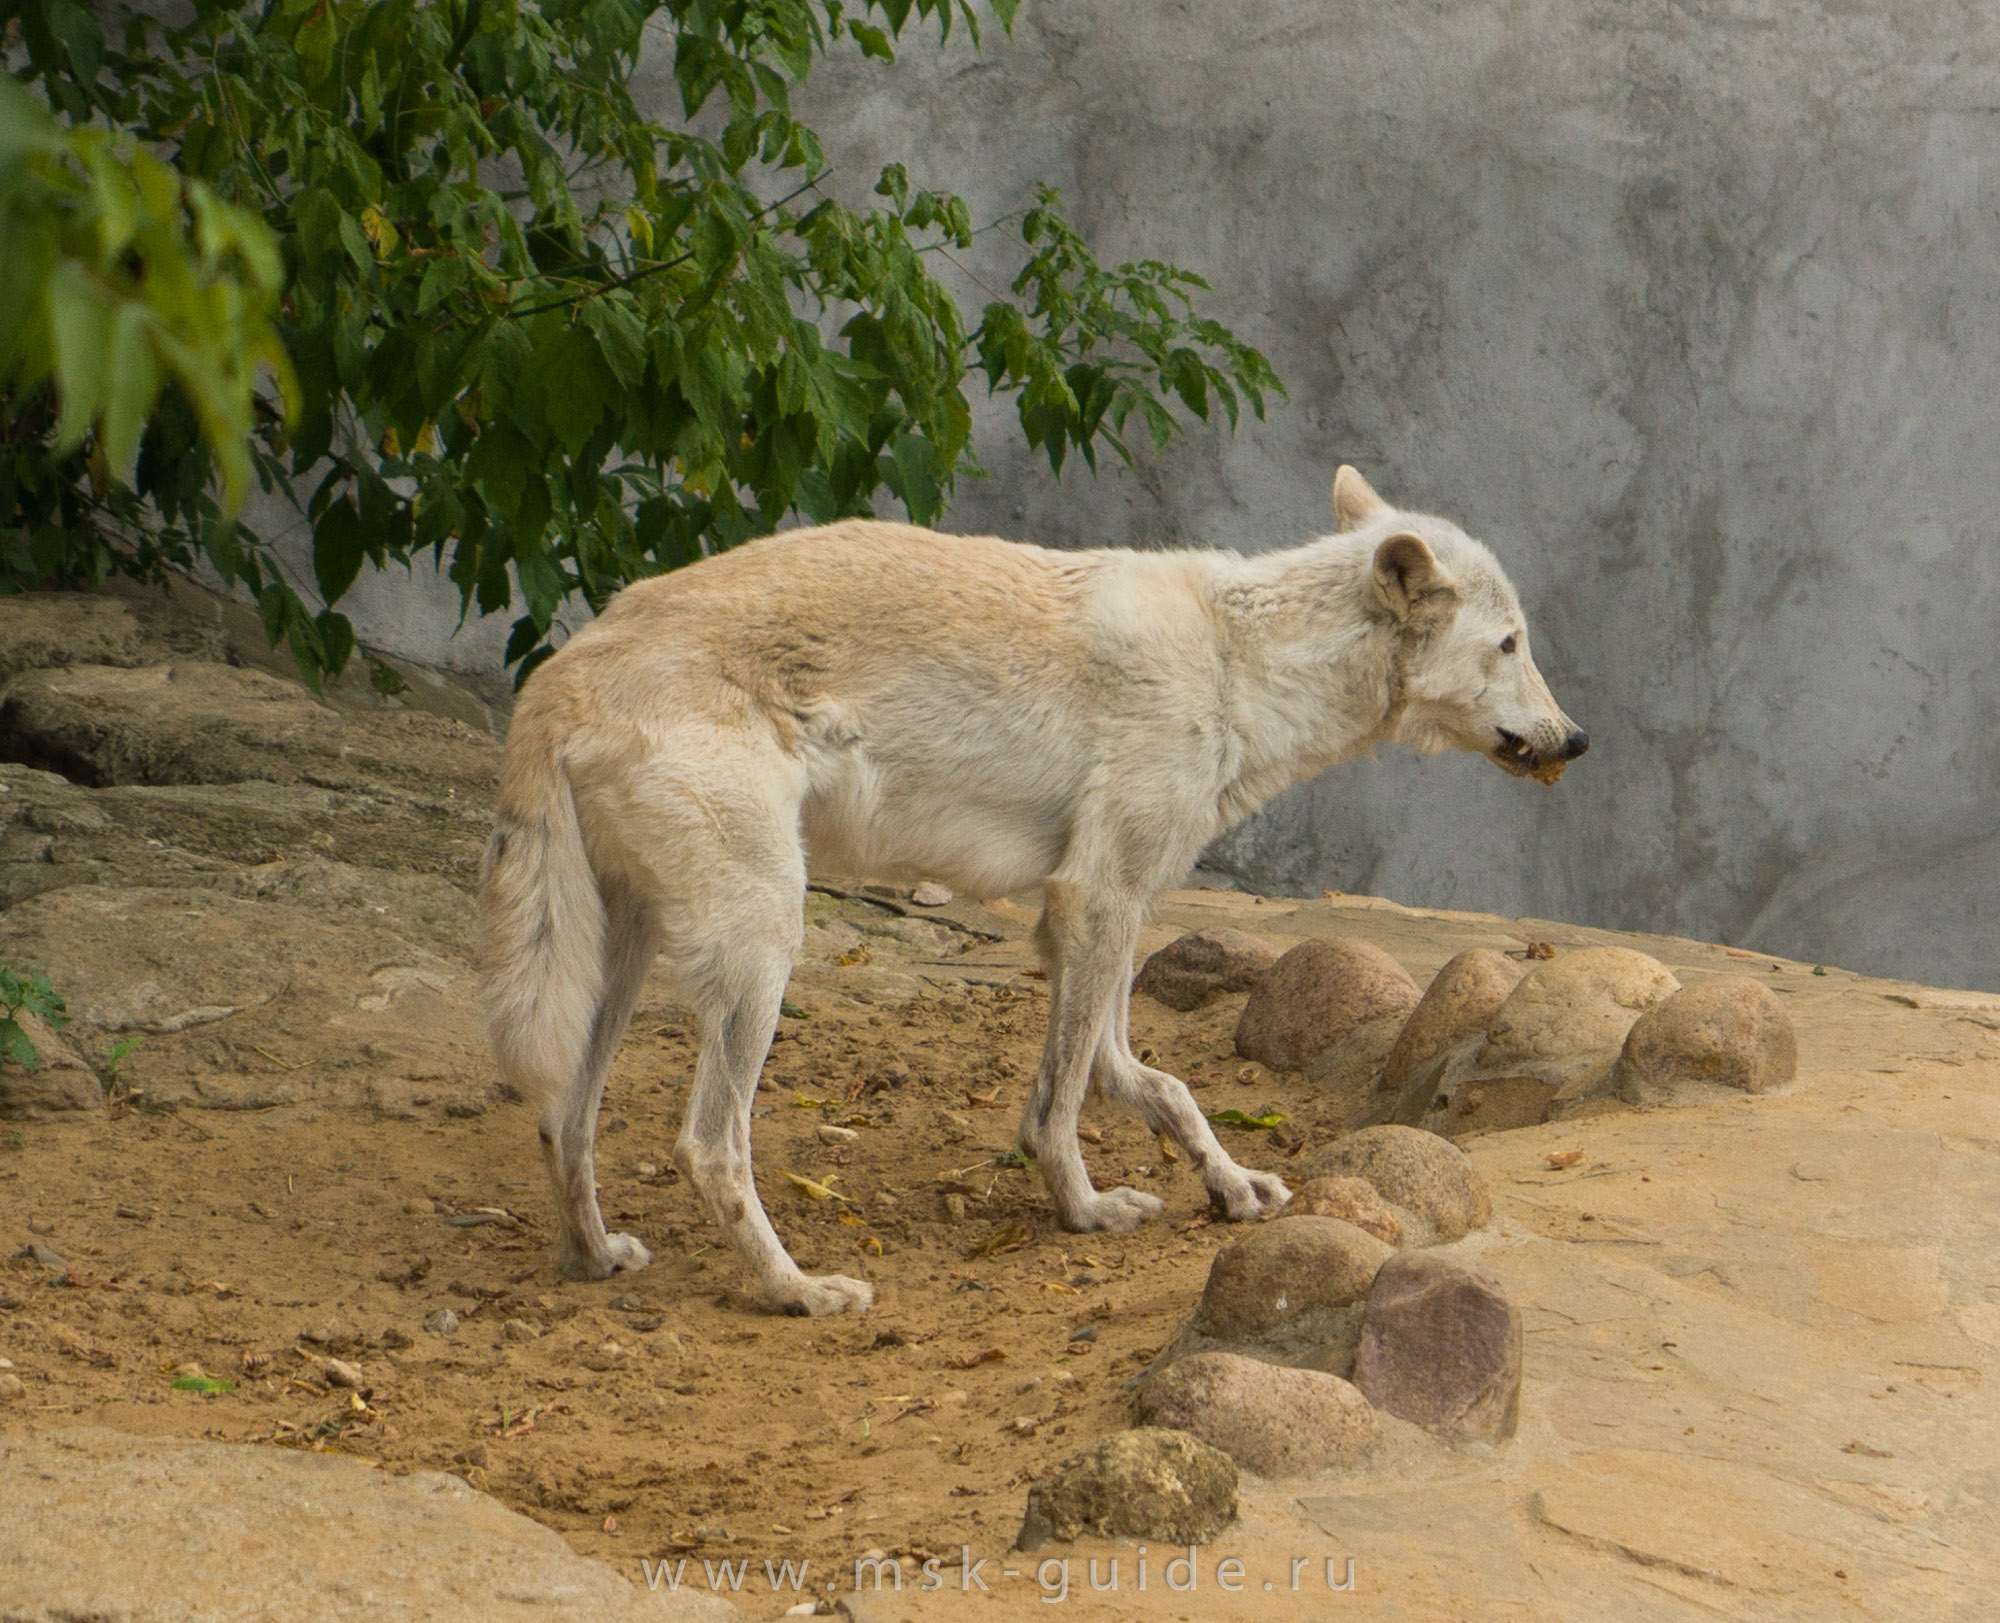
[
  {"x": 621, "y": 1254},
  {"x": 1249, "y": 1195},
  {"x": 1114, "y": 1211},
  {"x": 820, "y": 1296}
]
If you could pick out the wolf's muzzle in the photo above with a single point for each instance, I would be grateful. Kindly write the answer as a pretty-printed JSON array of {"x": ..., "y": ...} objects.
[{"x": 1522, "y": 758}]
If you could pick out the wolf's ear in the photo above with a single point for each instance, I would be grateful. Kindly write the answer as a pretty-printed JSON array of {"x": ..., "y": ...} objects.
[
  {"x": 1354, "y": 499},
  {"x": 1406, "y": 572}
]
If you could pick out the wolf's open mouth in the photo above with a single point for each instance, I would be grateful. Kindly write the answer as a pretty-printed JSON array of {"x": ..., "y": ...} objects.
[{"x": 1516, "y": 755}]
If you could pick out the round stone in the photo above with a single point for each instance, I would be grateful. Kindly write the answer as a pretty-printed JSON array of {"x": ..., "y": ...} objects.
[
  {"x": 1731, "y": 1030},
  {"x": 1275, "y": 1421},
  {"x": 1189, "y": 972},
  {"x": 1147, "y": 1483},
  {"x": 1427, "y": 1176},
  {"x": 1441, "y": 1347},
  {"x": 1281, "y": 1273},
  {"x": 1576, "y": 1004},
  {"x": 1317, "y": 994},
  {"x": 1352, "y": 1200},
  {"x": 1460, "y": 1002}
]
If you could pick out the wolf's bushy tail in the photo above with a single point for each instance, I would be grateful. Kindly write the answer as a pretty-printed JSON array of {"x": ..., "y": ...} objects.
[{"x": 544, "y": 921}]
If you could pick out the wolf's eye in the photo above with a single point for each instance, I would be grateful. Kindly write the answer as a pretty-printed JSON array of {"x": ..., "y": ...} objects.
[{"x": 1507, "y": 643}]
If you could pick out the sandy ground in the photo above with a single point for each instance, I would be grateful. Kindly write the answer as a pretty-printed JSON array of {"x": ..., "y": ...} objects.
[{"x": 1758, "y": 1329}]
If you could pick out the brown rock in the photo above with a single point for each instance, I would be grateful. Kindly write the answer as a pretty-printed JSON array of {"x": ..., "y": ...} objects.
[
  {"x": 1419, "y": 1172},
  {"x": 66, "y": 628},
  {"x": 1271, "y": 1420},
  {"x": 1315, "y": 995},
  {"x": 1187, "y": 973},
  {"x": 1461, "y": 1000},
  {"x": 1577, "y": 1006},
  {"x": 1351, "y": 1069},
  {"x": 198, "y": 723},
  {"x": 1145, "y": 1483},
  {"x": 1441, "y": 1347},
  {"x": 1352, "y": 1200},
  {"x": 1731, "y": 1030}
]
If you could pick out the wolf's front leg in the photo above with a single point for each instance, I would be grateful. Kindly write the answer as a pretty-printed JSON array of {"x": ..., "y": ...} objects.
[
  {"x": 1166, "y": 1106},
  {"x": 1086, "y": 936}
]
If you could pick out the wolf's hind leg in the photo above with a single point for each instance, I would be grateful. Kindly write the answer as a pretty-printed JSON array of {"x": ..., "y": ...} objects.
[
  {"x": 740, "y": 986},
  {"x": 569, "y": 1121}
]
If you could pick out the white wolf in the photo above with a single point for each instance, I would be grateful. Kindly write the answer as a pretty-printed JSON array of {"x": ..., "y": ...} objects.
[{"x": 875, "y": 698}]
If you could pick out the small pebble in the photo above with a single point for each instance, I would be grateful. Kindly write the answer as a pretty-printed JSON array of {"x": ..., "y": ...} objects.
[
  {"x": 11, "y": 1388},
  {"x": 519, "y": 1330},
  {"x": 930, "y": 894},
  {"x": 628, "y": 1303},
  {"x": 339, "y": 1372},
  {"x": 954, "y": 1208},
  {"x": 830, "y": 1134},
  {"x": 443, "y": 1322}
]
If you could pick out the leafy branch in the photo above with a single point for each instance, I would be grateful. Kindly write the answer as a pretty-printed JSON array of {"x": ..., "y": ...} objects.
[{"x": 509, "y": 318}]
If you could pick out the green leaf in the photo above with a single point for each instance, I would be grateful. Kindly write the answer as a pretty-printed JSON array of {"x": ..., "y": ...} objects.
[
  {"x": 915, "y": 462},
  {"x": 132, "y": 384},
  {"x": 339, "y": 545},
  {"x": 209, "y": 1384},
  {"x": 14, "y": 1045},
  {"x": 1238, "y": 1118},
  {"x": 80, "y": 330}
]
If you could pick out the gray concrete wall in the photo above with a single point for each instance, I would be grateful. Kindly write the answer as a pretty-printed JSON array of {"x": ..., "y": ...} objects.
[
  {"x": 1692, "y": 310},
  {"x": 1689, "y": 309}
]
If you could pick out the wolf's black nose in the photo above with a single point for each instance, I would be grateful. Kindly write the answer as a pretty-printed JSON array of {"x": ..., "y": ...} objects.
[{"x": 1574, "y": 745}]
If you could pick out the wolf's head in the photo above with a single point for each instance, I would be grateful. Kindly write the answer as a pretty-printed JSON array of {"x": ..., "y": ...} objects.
[{"x": 1468, "y": 678}]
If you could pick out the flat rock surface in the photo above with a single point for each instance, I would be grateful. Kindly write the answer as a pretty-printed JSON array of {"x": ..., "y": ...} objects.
[{"x": 121, "y": 1529}]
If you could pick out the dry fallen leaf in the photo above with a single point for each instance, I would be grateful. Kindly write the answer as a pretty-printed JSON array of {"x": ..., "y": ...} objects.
[
  {"x": 815, "y": 1191},
  {"x": 1562, "y": 1160}
]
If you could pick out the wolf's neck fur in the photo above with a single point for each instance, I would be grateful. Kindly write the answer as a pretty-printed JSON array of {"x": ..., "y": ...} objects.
[{"x": 1310, "y": 665}]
